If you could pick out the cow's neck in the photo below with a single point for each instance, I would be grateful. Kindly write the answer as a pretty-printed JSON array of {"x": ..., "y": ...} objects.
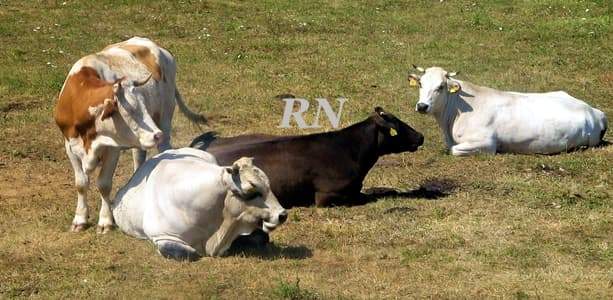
[
  {"x": 454, "y": 105},
  {"x": 366, "y": 150},
  {"x": 445, "y": 120}
]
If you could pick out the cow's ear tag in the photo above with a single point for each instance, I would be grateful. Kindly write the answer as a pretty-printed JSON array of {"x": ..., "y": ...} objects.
[
  {"x": 454, "y": 88},
  {"x": 393, "y": 132},
  {"x": 412, "y": 82}
]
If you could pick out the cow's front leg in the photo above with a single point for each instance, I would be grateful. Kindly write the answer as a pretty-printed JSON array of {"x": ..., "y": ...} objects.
[
  {"x": 472, "y": 148},
  {"x": 165, "y": 125},
  {"x": 138, "y": 157},
  {"x": 231, "y": 228},
  {"x": 105, "y": 184},
  {"x": 79, "y": 223},
  {"x": 177, "y": 251}
]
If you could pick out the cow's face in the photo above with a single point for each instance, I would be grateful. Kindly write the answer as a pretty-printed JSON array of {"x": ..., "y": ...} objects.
[
  {"x": 395, "y": 136},
  {"x": 250, "y": 200},
  {"x": 434, "y": 87},
  {"x": 129, "y": 111}
]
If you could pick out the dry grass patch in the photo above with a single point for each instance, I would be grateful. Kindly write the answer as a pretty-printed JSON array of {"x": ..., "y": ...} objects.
[{"x": 506, "y": 226}]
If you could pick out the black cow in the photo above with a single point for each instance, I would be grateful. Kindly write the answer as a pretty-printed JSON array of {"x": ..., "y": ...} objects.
[{"x": 323, "y": 168}]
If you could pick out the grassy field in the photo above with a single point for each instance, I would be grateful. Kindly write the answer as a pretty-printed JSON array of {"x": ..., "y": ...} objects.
[{"x": 509, "y": 226}]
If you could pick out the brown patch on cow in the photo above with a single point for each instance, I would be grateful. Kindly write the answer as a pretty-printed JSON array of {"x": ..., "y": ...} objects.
[
  {"x": 81, "y": 91},
  {"x": 110, "y": 107},
  {"x": 144, "y": 55}
]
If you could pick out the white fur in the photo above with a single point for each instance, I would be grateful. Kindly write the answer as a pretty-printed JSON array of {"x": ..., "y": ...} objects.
[
  {"x": 480, "y": 119},
  {"x": 124, "y": 129},
  {"x": 180, "y": 196}
]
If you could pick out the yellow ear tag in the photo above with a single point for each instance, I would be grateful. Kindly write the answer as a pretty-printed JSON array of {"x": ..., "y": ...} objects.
[
  {"x": 454, "y": 88},
  {"x": 412, "y": 82},
  {"x": 393, "y": 132}
]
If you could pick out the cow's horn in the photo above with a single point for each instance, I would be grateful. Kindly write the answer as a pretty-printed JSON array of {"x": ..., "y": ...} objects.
[
  {"x": 139, "y": 83},
  {"x": 420, "y": 69},
  {"x": 451, "y": 74}
]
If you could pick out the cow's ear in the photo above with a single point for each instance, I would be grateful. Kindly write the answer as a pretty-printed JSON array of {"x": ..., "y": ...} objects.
[
  {"x": 379, "y": 111},
  {"x": 414, "y": 80},
  {"x": 109, "y": 108},
  {"x": 381, "y": 118},
  {"x": 453, "y": 87}
]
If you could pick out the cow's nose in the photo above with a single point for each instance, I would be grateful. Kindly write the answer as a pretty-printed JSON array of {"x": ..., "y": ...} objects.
[
  {"x": 421, "y": 107},
  {"x": 421, "y": 139},
  {"x": 282, "y": 217},
  {"x": 158, "y": 136}
]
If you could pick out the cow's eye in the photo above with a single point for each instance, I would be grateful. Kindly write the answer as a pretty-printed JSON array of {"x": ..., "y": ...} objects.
[{"x": 440, "y": 88}]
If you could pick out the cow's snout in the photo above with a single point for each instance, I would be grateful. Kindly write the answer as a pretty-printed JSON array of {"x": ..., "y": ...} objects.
[
  {"x": 274, "y": 221},
  {"x": 282, "y": 217},
  {"x": 150, "y": 140},
  {"x": 420, "y": 141},
  {"x": 422, "y": 108},
  {"x": 157, "y": 137}
]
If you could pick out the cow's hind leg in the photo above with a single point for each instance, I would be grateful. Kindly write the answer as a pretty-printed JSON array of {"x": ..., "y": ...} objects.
[
  {"x": 105, "y": 184},
  {"x": 138, "y": 157},
  {"x": 177, "y": 251},
  {"x": 472, "y": 148},
  {"x": 79, "y": 223}
]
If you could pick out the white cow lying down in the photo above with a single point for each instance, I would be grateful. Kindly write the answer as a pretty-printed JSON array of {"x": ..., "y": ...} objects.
[
  {"x": 479, "y": 119},
  {"x": 188, "y": 206}
]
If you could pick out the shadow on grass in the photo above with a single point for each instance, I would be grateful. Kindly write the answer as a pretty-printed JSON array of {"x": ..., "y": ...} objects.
[
  {"x": 430, "y": 189},
  {"x": 258, "y": 245}
]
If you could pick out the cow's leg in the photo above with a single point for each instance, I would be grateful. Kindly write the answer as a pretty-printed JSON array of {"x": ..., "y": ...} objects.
[
  {"x": 177, "y": 251},
  {"x": 471, "y": 148},
  {"x": 138, "y": 157},
  {"x": 165, "y": 125},
  {"x": 105, "y": 184},
  {"x": 230, "y": 229},
  {"x": 165, "y": 128},
  {"x": 79, "y": 223}
]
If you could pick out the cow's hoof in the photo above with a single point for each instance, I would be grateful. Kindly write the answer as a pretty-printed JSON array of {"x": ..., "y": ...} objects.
[
  {"x": 104, "y": 229},
  {"x": 78, "y": 227}
]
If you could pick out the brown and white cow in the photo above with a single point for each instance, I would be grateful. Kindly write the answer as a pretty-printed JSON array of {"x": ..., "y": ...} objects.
[{"x": 122, "y": 97}]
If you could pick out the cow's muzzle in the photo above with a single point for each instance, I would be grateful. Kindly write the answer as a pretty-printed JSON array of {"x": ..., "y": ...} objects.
[
  {"x": 152, "y": 140},
  {"x": 272, "y": 223},
  {"x": 422, "y": 108}
]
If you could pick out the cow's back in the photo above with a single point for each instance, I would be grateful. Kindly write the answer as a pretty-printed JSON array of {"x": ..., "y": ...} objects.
[
  {"x": 144, "y": 210},
  {"x": 546, "y": 123},
  {"x": 294, "y": 165}
]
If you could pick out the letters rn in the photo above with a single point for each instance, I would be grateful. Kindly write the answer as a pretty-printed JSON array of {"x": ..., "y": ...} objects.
[{"x": 335, "y": 119}]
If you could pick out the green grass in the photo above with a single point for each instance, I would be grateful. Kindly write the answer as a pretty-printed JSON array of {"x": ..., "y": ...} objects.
[{"x": 515, "y": 227}]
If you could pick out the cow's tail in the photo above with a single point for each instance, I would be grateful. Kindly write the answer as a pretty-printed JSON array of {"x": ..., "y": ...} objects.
[{"x": 192, "y": 116}]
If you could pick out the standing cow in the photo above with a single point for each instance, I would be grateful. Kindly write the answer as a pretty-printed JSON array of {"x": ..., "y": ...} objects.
[
  {"x": 476, "y": 119},
  {"x": 121, "y": 97},
  {"x": 189, "y": 206}
]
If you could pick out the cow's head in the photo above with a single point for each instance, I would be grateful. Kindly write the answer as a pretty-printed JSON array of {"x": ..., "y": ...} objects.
[
  {"x": 250, "y": 200},
  {"x": 435, "y": 85},
  {"x": 132, "y": 125},
  {"x": 395, "y": 136}
]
